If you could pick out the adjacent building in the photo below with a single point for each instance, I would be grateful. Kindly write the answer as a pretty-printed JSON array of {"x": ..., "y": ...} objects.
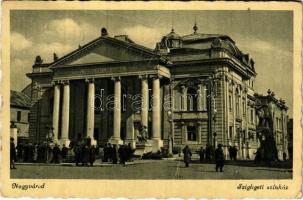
[
  {"x": 20, "y": 105},
  {"x": 273, "y": 124}
]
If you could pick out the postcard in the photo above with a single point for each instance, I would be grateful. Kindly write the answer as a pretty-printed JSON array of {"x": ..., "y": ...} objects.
[{"x": 151, "y": 99}]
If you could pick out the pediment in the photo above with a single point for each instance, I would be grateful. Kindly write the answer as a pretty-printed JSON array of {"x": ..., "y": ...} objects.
[{"x": 103, "y": 50}]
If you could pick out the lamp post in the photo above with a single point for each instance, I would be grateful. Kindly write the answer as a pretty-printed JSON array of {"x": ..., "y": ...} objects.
[{"x": 170, "y": 137}]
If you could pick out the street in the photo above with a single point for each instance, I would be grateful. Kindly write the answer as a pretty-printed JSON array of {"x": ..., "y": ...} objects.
[{"x": 152, "y": 169}]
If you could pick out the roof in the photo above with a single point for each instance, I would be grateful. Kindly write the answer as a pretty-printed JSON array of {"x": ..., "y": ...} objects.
[
  {"x": 19, "y": 99},
  {"x": 127, "y": 43},
  {"x": 172, "y": 34},
  {"x": 202, "y": 36}
]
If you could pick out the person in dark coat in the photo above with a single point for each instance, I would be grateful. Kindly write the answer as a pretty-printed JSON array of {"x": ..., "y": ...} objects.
[
  {"x": 20, "y": 152},
  {"x": 114, "y": 154},
  {"x": 110, "y": 152},
  {"x": 230, "y": 152},
  {"x": 219, "y": 157},
  {"x": 208, "y": 153},
  {"x": 64, "y": 151},
  {"x": 13, "y": 155},
  {"x": 92, "y": 155},
  {"x": 105, "y": 150},
  {"x": 202, "y": 154},
  {"x": 85, "y": 155},
  {"x": 56, "y": 154},
  {"x": 77, "y": 152},
  {"x": 129, "y": 152},
  {"x": 235, "y": 152},
  {"x": 122, "y": 154},
  {"x": 30, "y": 152},
  {"x": 187, "y": 155}
]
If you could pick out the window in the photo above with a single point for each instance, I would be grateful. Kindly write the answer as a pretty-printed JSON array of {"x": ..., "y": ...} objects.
[
  {"x": 251, "y": 116},
  {"x": 181, "y": 103},
  {"x": 230, "y": 103},
  {"x": 231, "y": 133},
  {"x": 191, "y": 133},
  {"x": 237, "y": 103},
  {"x": 243, "y": 107},
  {"x": 192, "y": 99},
  {"x": 18, "y": 116}
]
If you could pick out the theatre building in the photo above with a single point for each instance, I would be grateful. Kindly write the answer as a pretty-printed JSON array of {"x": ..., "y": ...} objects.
[{"x": 195, "y": 89}]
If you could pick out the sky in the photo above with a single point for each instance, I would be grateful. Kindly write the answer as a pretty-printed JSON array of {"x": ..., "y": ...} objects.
[{"x": 266, "y": 35}]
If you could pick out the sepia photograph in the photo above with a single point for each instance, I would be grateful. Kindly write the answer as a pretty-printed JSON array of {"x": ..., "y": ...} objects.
[{"x": 136, "y": 94}]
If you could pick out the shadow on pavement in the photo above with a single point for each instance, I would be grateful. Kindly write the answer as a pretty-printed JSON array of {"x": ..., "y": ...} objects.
[{"x": 251, "y": 163}]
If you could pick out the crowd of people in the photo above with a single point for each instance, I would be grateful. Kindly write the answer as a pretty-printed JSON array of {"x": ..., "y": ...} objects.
[
  {"x": 39, "y": 153},
  {"x": 81, "y": 152}
]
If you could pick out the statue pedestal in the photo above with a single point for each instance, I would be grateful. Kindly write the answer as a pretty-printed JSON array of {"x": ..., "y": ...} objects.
[{"x": 143, "y": 148}]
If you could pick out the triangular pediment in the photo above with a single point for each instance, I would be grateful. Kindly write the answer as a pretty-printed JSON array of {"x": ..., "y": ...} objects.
[{"x": 105, "y": 49}]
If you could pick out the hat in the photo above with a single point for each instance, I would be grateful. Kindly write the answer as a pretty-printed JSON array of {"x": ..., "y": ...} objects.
[{"x": 219, "y": 145}]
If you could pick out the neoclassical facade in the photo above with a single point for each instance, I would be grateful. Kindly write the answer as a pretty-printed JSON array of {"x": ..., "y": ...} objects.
[{"x": 196, "y": 89}]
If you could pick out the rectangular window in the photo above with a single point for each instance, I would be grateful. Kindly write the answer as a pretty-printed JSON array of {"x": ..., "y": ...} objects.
[
  {"x": 243, "y": 107},
  {"x": 181, "y": 103},
  {"x": 191, "y": 133},
  {"x": 230, "y": 103},
  {"x": 18, "y": 116},
  {"x": 230, "y": 132},
  {"x": 252, "y": 116}
]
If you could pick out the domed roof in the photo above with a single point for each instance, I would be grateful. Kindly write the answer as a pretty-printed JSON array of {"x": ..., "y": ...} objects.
[{"x": 172, "y": 35}]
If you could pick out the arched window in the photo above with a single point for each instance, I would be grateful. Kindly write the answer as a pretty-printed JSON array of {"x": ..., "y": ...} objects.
[{"x": 192, "y": 96}]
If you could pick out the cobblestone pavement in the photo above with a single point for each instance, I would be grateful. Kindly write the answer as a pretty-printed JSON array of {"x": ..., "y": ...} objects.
[{"x": 152, "y": 169}]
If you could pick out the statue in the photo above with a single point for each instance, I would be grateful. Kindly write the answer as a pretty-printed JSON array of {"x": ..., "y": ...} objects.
[
  {"x": 38, "y": 60},
  {"x": 265, "y": 135},
  {"x": 55, "y": 57},
  {"x": 142, "y": 137}
]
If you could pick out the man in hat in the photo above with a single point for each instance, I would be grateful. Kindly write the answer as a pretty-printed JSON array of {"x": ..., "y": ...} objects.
[
  {"x": 12, "y": 153},
  {"x": 219, "y": 157},
  {"x": 187, "y": 155}
]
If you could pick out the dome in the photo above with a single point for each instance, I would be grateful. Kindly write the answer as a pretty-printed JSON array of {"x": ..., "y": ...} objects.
[
  {"x": 171, "y": 40},
  {"x": 172, "y": 35}
]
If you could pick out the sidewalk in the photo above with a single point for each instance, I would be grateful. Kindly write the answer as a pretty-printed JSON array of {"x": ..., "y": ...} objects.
[{"x": 97, "y": 163}]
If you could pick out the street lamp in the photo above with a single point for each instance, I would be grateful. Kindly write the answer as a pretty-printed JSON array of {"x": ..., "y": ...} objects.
[{"x": 170, "y": 137}]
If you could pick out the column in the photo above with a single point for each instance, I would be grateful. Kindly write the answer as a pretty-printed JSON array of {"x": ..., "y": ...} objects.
[
  {"x": 144, "y": 106},
  {"x": 156, "y": 115},
  {"x": 130, "y": 131},
  {"x": 56, "y": 109},
  {"x": 65, "y": 114},
  {"x": 115, "y": 139},
  {"x": 90, "y": 117},
  {"x": 199, "y": 136},
  {"x": 200, "y": 100},
  {"x": 184, "y": 98}
]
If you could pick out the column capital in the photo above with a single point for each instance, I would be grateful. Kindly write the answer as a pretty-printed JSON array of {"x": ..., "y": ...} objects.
[
  {"x": 116, "y": 78},
  {"x": 55, "y": 82},
  {"x": 155, "y": 76},
  {"x": 64, "y": 82},
  {"x": 89, "y": 80},
  {"x": 143, "y": 76}
]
